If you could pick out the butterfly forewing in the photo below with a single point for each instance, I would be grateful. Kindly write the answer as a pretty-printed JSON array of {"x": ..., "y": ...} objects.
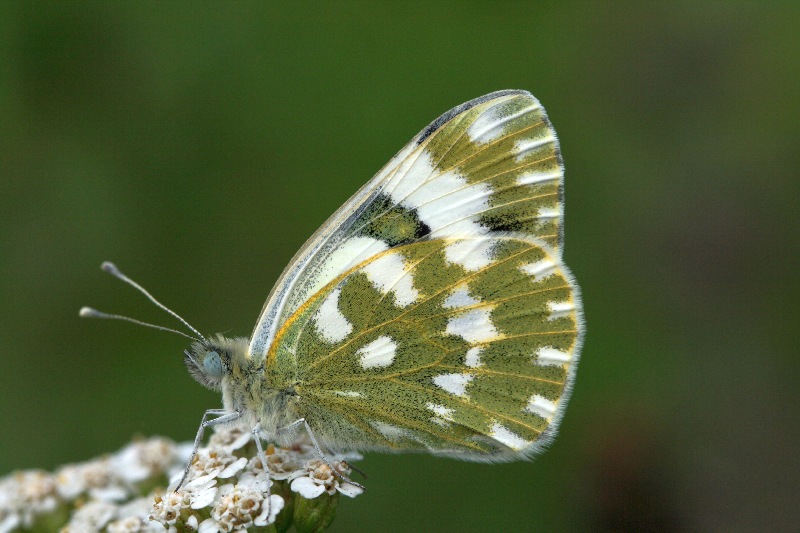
[
  {"x": 489, "y": 166},
  {"x": 458, "y": 346}
]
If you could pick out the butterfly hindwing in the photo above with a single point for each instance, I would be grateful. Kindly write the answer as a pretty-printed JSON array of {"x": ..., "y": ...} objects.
[
  {"x": 458, "y": 346},
  {"x": 432, "y": 311}
]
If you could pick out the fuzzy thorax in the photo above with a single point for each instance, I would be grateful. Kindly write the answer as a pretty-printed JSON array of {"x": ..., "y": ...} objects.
[{"x": 222, "y": 364}]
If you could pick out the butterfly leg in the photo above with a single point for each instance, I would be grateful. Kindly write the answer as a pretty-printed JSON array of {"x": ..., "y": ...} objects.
[
  {"x": 263, "y": 457},
  {"x": 322, "y": 455},
  {"x": 222, "y": 417}
]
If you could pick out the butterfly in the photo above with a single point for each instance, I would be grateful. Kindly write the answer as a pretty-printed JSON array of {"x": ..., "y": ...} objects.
[{"x": 431, "y": 313}]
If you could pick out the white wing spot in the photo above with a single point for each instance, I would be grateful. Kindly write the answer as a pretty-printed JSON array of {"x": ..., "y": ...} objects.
[
  {"x": 486, "y": 128},
  {"x": 549, "y": 356},
  {"x": 378, "y": 353},
  {"x": 534, "y": 177},
  {"x": 473, "y": 359},
  {"x": 440, "y": 421},
  {"x": 442, "y": 201},
  {"x": 474, "y": 326},
  {"x": 410, "y": 176},
  {"x": 443, "y": 412},
  {"x": 502, "y": 434},
  {"x": 348, "y": 393},
  {"x": 491, "y": 124},
  {"x": 540, "y": 270},
  {"x": 350, "y": 253},
  {"x": 448, "y": 202},
  {"x": 523, "y": 147},
  {"x": 548, "y": 212},
  {"x": 330, "y": 322},
  {"x": 389, "y": 431},
  {"x": 459, "y": 297},
  {"x": 388, "y": 274},
  {"x": 539, "y": 405},
  {"x": 560, "y": 309},
  {"x": 472, "y": 254},
  {"x": 453, "y": 383}
]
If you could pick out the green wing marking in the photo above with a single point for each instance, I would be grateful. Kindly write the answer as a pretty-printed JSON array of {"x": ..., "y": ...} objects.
[
  {"x": 493, "y": 167},
  {"x": 456, "y": 346}
]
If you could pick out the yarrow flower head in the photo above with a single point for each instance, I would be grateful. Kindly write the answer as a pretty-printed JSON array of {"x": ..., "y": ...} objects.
[
  {"x": 217, "y": 463},
  {"x": 74, "y": 480},
  {"x": 134, "y": 517},
  {"x": 241, "y": 506},
  {"x": 283, "y": 464},
  {"x": 24, "y": 497},
  {"x": 147, "y": 458},
  {"x": 319, "y": 478},
  {"x": 91, "y": 517},
  {"x": 227, "y": 489}
]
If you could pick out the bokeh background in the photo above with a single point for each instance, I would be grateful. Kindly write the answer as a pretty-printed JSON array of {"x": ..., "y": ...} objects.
[{"x": 198, "y": 145}]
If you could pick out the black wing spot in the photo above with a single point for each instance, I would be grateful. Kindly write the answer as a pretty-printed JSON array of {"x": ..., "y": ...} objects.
[{"x": 391, "y": 223}]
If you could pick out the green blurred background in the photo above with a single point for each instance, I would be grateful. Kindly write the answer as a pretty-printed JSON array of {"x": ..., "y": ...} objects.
[{"x": 198, "y": 145}]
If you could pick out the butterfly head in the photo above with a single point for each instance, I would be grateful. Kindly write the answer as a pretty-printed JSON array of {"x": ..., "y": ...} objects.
[{"x": 210, "y": 362}]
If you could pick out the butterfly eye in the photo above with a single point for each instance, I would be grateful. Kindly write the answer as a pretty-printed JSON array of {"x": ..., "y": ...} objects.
[{"x": 212, "y": 364}]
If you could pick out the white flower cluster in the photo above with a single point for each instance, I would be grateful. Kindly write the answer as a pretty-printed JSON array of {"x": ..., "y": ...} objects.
[
  {"x": 317, "y": 477},
  {"x": 108, "y": 485},
  {"x": 24, "y": 496},
  {"x": 124, "y": 493}
]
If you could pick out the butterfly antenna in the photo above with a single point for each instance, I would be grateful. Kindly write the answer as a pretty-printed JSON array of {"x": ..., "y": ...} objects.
[
  {"x": 88, "y": 312},
  {"x": 112, "y": 269}
]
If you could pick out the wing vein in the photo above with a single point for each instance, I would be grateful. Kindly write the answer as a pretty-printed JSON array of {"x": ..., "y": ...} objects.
[
  {"x": 412, "y": 307},
  {"x": 469, "y": 404},
  {"x": 405, "y": 422}
]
